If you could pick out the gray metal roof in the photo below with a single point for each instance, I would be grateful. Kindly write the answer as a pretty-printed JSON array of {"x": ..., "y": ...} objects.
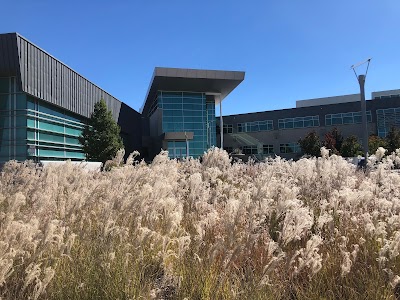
[
  {"x": 43, "y": 76},
  {"x": 215, "y": 82}
]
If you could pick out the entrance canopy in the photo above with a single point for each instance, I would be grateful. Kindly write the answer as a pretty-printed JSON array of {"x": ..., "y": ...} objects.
[{"x": 212, "y": 82}]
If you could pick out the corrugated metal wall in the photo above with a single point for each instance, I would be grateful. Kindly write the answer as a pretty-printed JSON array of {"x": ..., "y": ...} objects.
[
  {"x": 9, "y": 64},
  {"x": 46, "y": 78}
]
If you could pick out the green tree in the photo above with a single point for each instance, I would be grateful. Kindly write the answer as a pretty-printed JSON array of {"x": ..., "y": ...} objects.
[
  {"x": 100, "y": 137},
  {"x": 374, "y": 142},
  {"x": 351, "y": 147},
  {"x": 333, "y": 140},
  {"x": 393, "y": 139},
  {"x": 310, "y": 144}
]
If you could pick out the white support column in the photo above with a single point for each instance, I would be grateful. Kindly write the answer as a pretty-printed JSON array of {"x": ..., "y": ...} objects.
[
  {"x": 187, "y": 146},
  {"x": 221, "y": 124}
]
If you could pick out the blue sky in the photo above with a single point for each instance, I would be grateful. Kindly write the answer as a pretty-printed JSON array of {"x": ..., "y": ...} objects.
[{"x": 290, "y": 50}]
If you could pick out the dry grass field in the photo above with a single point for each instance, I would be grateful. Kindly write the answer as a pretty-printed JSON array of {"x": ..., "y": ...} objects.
[{"x": 316, "y": 228}]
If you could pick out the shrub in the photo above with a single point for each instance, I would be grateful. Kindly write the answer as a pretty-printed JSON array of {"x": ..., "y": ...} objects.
[{"x": 351, "y": 147}]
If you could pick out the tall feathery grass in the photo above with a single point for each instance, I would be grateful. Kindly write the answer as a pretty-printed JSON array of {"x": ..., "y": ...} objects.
[{"x": 315, "y": 228}]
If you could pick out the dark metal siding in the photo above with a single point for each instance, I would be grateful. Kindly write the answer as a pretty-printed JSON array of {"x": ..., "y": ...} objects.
[
  {"x": 42, "y": 76},
  {"x": 48, "y": 79},
  {"x": 130, "y": 122},
  {"x": 9, "y": 64}
]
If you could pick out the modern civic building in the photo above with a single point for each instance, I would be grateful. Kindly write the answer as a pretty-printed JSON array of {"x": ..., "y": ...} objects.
[
  {"x": 44, "y": 105},
  {"x": 179, "y": 109},
  {"x": 277, "y": 132}
]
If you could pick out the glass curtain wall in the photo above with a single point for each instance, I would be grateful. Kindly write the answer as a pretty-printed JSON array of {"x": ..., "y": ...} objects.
[
  {"x": 52, "y": 132},
  {"x": 188, "y": 112},
  {"x": 12, "y": 121},
  {"x": 33, "y": 129}
]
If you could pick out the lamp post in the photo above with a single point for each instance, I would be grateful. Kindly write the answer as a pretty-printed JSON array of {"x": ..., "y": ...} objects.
[{"x": 364, "y": 126}]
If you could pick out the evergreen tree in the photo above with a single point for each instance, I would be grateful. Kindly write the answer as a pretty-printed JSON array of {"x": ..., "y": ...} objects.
[
  {"x": 393, "y": 139},
  {"x": 100, "y": 137},
  {"x": 351, "y": 147},
  {"x": 310, "y": 144}
]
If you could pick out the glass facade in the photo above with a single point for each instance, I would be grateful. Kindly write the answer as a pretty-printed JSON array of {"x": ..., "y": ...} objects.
[
  {"x": 346, "y": 118},
  {"x": 386, "y": 118},
  {"x": 188, "y": 112},
  {"x": 299, "y": 122},
  {"x": 255, "y": 126},
  {"x": 33, "y": 129}
]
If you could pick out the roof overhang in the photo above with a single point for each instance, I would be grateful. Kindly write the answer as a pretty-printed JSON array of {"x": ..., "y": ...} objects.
[{"x": 214, "y": 83}]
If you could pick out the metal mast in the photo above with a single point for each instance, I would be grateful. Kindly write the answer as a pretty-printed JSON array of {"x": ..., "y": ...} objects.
[{"x": 364, "y": 126}]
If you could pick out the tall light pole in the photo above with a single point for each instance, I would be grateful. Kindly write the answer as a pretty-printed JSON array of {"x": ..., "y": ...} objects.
[{"x": 364, "y": 126}]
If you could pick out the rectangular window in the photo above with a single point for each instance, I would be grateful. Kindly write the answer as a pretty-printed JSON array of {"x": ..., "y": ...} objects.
[
  {"x": 346, "y": 118},
  {"x": 289, "y": 148},
  {"x": 255, "y": 126},
  {"x": 387, "y": 118},
  {"x": 249, "y": 150},
  {"x": 43, "y": 126},
  {"x": 228, "y": 128},
  {"x": 298, "y": 122},
  {"x": 268, "y": 149}
]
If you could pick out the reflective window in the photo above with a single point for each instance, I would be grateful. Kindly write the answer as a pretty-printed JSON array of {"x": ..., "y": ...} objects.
[
  {"x": 228, "y": 128},
  {"x": 268, "y": 149},
  {"x": 299, "y": 122},
  {"x": 387, "y": 118},
  {"x": 289, "y": 148},
  {"x": 249, "y": 150},
  {"x": 255, "y": 126},
  {"x": 188, "y": 112},
  {"x": 37, "y": 130},
  {"x": 346, "y": 118}
]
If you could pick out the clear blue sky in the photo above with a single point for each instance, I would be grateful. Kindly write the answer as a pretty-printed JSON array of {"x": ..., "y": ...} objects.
[{"x": 289, "y": 49}]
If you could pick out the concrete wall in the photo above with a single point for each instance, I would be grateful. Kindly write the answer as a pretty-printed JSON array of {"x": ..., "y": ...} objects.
[
  {"x": 328, "y": 100},
  {"x": 386, "y": 93}
]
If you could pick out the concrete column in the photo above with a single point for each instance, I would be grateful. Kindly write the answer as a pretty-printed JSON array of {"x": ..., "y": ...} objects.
[
  {"x": 364, "y": 125},
  {"x": 187, "y": 146}
]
